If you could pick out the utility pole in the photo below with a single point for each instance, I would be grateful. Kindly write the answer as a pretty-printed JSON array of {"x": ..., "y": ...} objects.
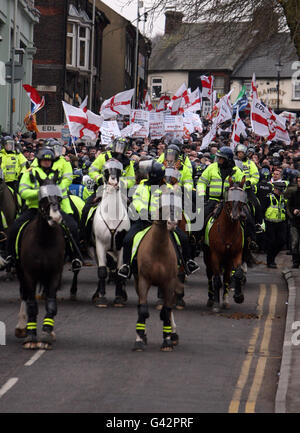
[
  {"x": 92, "y": 57},
  {"x": 13, "y": 49},
  {"x": 136, "y": 55}
]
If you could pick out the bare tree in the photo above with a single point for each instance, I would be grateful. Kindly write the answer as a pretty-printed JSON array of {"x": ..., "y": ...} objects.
[{"x": 263, "y": 17}]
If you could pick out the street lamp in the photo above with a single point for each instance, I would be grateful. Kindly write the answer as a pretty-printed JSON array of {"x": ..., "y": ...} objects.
[{"x": 279, "y": 69}]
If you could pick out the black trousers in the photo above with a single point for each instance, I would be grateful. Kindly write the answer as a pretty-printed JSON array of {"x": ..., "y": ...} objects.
[
  {"x": 275, "y": 239},
  {"x": 258, "y": 214}
]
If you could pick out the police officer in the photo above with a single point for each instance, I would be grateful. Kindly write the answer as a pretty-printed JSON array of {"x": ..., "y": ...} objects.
[
  {"x": 145, "y": 202},
  {"x": 13, "y": 164},
  {"x": 293, "y": 211},
  {"x": 275, "y": 218}
]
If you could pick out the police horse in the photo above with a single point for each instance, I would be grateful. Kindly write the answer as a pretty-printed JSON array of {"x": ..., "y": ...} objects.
[{"x": 110, "y": 224}]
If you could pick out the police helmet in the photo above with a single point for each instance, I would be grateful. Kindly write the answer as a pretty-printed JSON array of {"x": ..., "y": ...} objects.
[
  {"x": 120, "y": 145},
  {"x": 172, "y": 153},
  {"x": 157, "y": 172},
  {"x": 265, "y": 174},
  {"x": 9, "y": 143},
  {"x": 47, "y": 154},
  {"x": 54, "y": 145},
  {"x": 225, "y": 152},
  {"x": 77, "y": 176},
  {"x": 241, "y": 148},
  {"x": 281, "y": 186}
]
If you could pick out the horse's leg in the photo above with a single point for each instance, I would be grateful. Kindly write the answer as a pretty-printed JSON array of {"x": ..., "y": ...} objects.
[
  {"x": 47, "y": 335},
  {"x": 99, "y": 296},
  {"x": 20, "y": 331},
  {"x": 226, "y": 285},
  {"x": 143, "y": 314},
  {"x": 239, "y": 278},
  {"x": 121, "y": 295},
  {"x": 28, "y": 287},
  {"x": 160, "y": 299},
  {"x": 216, "y": 282},
  {"x": 165, "y": 316},
  {"x": 174, "y": 335},
  {"x": 73, "y": 289}
]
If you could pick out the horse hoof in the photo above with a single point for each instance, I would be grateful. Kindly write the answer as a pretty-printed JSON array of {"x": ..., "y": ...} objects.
[
  {"x": 139, "y": 346},
  {"x": 119, "y": 302},
  {"x": 175, "y": 339},
  {"x": 239, "y": 299},
  {"x": 180, "y": 304},
  {"x": 225, "y": 304},
  {"x": 167, "y": 345},
  {"x": 30, "y": 345},
  {"x": 101, "y": 302},
  {"x": 44, "y": 346},
  {"x": 20, "y": 333},
  {"x": 46, "y": 340}
]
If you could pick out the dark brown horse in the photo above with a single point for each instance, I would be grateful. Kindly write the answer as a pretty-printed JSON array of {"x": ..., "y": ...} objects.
[
  {"x": 225, "y": 250},
  {"x": 8, "y": 211},
  {"x": 157, "y": 266},
  {"x": 41, "y": 260}
]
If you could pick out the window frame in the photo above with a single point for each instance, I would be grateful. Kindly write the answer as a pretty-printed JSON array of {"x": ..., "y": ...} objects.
[{"x": 156, "y": 98}]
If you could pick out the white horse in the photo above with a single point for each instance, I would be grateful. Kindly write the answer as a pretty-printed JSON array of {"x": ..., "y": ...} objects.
[{"x": 110, "y": 224}]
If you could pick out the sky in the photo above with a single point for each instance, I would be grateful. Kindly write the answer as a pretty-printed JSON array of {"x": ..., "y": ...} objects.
[{"x": 129, "y": 11}]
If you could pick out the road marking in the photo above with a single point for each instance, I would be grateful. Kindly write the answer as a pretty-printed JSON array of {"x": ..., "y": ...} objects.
[
  {"x": 235, "y": 402},
  {"x": 264, "y": 348},
  {"x": 8, "y": 385},
  {"x": 34, "y": 358}
]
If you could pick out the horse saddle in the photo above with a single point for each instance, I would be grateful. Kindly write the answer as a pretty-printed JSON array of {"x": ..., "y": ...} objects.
[
  {"x": 138, "y": 239},
  {"x": 208, "y": 227}
]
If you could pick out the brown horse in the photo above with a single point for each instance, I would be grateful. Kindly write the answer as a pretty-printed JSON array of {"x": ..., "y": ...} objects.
[
  {"x": 157, "y": 266},
  {"x": 225, "y": 250}
]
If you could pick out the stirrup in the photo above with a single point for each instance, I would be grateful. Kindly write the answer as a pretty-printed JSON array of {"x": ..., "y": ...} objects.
[
  {"x": 124, "y": 271},
  {"x": 76, "y": 265}
]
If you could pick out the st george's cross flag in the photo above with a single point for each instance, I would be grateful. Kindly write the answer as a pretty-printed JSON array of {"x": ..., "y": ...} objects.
[
  {"x": 147, "y": 103},
  {"x": 179, "y": 99},
  {"x": 253, "y": 87},
  {"x": 37, "y": 102},
  {"x": 195, "y": 103},
  {"x": 163, "y": 103},
  {"x": 117, "y": 104},
  {"x": 82, "y": 124},
  {"x": 238, "y": 131},
  {"x": 207, "y": 86}
]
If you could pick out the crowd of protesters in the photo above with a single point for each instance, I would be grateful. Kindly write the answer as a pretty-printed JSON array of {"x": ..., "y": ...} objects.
[{"x": 275, "y": 161}]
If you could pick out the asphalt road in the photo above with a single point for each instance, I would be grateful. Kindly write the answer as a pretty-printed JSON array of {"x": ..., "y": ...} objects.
[{"x": 225, "y": 362}]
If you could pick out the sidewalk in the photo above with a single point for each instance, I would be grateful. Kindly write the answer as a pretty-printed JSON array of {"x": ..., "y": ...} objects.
[{"x": 288, "y": 391}]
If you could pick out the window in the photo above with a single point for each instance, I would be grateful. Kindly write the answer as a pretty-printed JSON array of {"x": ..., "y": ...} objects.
[
  {"x": 296, "y": 88},
  {"x": 156, "y": 87},
  {"x": 128, "y": 58},
  {"x": 219, "y": 86},
  {"x": 78, "y": 39}
]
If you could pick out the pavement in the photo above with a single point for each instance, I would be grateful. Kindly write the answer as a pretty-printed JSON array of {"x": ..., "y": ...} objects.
[{"x": 288, "y": 395}]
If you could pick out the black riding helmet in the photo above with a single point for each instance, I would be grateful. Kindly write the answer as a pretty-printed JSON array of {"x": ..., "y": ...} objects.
[
  {"x": 152, "y": 170},
  {"x": 45, "y": 154}
]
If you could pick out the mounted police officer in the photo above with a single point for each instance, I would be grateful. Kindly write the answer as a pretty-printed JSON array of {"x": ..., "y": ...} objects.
[
  {"x": 118, "y": 151},
  {"x": 28, "y": 189},
  {"x": 145, "y": 202},
  {"x": 13, "y": 163}
]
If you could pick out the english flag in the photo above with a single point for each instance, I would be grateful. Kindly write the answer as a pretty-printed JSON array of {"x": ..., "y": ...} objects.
[
  {"x": 163, "y": 103},
  {"x": 266, "y": 123},
  {"x": 118, "y": 104},
  {"x": 238, "y": 131},
  {"x": 147, "y": 103},
  {"x": 37, "y": 102},
  {"x": 83, "y": 105},
  {"x": 195, "y": 101},
  {"x": 207, "y": 86},
  {"x": 179, "y": 99},
  {"x": 81, "y": 123}
]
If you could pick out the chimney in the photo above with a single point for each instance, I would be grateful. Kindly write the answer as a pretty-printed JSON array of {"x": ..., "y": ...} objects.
[{"x": 173, "y": 21}]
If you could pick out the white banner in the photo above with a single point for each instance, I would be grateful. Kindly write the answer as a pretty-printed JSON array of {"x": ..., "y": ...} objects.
[
  {"x": 109, "y": 131},
  {"x": 141, "y": 117},
  {"x": 157, "y": 125},
  {"x": 174, "y": 125}
]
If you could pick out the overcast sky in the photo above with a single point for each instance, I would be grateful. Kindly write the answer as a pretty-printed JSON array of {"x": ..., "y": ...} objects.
[{"x": 129, "y": 11}]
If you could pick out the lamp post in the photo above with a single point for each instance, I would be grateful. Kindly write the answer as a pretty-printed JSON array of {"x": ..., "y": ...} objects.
[
  {"x": 278, "y": 68},
  {"x": 135, "y": 95}
]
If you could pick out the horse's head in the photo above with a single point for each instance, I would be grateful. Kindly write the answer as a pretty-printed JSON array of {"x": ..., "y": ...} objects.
[
  {"x": 170, "y": 208},
  {"x": 172, "y": 175},
  {"x": 112, "y": 172},
  {"x": 49, "y": 199},
  {"x": 235, "y": 199}
]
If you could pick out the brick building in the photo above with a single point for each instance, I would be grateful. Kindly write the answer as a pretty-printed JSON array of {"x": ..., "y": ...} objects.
[{"x": 62, "y": 64}]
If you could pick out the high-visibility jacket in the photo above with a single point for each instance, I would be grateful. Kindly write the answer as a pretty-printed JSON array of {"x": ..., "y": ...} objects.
[
  {"x": 97, "y": 167},
  {"x": 13, "y": 165},
  {"x": 29, "y": 189},
  {"x": 65, "y": 172},
  {"x": 276, "y": 212},
  {"x": 186, "y": 171},
  {"x": 251, "y": 172},
  {"x": 211, "y": 177},
  {"x": 146, "y": 199}
]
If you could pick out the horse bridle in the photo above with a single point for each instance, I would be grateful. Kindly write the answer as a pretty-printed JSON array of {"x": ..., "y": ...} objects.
[{"x": 236, "y": 188}]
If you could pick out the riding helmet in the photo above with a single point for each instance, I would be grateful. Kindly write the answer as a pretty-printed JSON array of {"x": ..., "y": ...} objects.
[
  {"x": 157, "y": 172},
  {"x": 45, "y": 154},
  {"x": 225, "y": 152}
]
